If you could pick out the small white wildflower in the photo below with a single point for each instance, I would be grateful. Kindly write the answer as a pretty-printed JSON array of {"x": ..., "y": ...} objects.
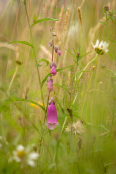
[
  {"x": 100, "y": 47},
  {"x": 23, "y": 155},
  {"x": 76, "y": 128}
]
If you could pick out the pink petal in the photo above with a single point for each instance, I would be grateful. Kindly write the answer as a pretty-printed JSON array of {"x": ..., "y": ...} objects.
[
  {"x": 52, "y": 119},
  {"x": 53, "y": 71}
]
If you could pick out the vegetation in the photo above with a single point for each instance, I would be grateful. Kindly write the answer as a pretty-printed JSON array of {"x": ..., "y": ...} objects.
[{"x": 57, "y": 87}]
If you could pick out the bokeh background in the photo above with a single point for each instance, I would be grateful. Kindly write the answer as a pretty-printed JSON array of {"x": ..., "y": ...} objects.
[{"x": 81, "y": 22}]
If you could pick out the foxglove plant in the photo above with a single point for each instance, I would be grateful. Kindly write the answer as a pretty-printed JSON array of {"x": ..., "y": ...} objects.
[{"x": 52, "y": 119}]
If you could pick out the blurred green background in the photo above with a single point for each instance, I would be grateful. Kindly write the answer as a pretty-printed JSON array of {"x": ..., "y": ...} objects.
[{"x": 93, "y": 101}]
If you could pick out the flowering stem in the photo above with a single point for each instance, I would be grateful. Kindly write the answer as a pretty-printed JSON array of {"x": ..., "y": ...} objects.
[
  {"x": 83, "y": 72},
  {"x": 52, "y": 50},
  {"x": 87, "y": 66},
  {"x": 52, "y": 61},
  {"x": 88, "y": 87},
  {"x": 47, "y": 102},
  {"x": 34, "y": 55}
]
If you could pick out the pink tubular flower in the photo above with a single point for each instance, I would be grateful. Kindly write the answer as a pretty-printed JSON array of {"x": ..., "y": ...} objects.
[
  {"x": 50, "y": 84},
  {"x": 52, "y": 119},
  {"x": 53, "y": 71},
  {"x": 59, "y": 52}
]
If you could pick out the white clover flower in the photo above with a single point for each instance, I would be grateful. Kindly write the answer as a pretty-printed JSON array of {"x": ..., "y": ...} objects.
[
  {"x": 76, "y": 128},
  {"x": 100, "y": 47},
  {"x": 23, "y": 155}
]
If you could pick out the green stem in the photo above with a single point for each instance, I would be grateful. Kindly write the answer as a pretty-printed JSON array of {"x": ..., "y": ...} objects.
[
  {"x": 83, "y": 72},
  {"x": 86, "y": 92},
  {"x": 88, "y": 86},
  {"x": 87, "y": 66},
  {"x": 35, "y": 57}
]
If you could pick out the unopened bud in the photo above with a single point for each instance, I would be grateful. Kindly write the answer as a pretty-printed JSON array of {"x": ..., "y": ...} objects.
[
  {"x": 59, "y": 52},
  {"x": 49, "y": 79},
  {"x": 56, "y": 48},
  {"x": 54, "y": 34},
  {"x": 52, "y": 64},
  {"x": 19, "y": 62},
  {"x": 50, "y": 86},
  {"x": 101, "y": 83},
  {"x": 78, "y": 54},
  {"x": 51, "y": 100},
  {"x": 106, "y": 8},
  {"x": 93, "y": 68},
  {"x": 50, "y": 43},
  {"x": 53, "y": 71},
  {"x": 51, "y": 29}
]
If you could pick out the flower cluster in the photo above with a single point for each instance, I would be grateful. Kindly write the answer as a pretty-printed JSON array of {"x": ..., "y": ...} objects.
[
  {"x": 56, "y": 48},
  {"x": 24, "y": 156},
  {"x": 52, "y": 119}
]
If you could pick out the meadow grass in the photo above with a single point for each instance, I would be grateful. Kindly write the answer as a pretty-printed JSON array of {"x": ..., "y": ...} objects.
[{"x": 84, "y": 88}]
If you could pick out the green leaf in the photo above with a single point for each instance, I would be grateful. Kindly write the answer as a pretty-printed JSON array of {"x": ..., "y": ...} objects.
[
  {"x": 45, "y": 79},
  {"x": 102, "y": 22},
  {"x": 113, "y": 72},
  {"x": 74, "y": 56},
  {"x": 84, "y": 54},
  {"x": 43, "y": 60},
  {"x": 44, "y": 19},
  {"x": 62, "y": 88},
  {"x": 113, "y": 40},
  {"x": 71, "y": 53},
  {"x": 22, "y": 42},
  {"x": 35, "y": 18},
  {"x": 29, "y": 101},
  {"x": 75, "y": 52},
  {"x": 80, "y": 72},
  {"x": 113, "y": 20},
  {"x": 110, "y": 55},
  {"x": 60, "y": 69},
  {"x": 60, "y": 105}
]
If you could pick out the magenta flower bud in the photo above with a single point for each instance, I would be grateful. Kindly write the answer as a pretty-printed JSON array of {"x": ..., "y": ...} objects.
[
  {"x": 50, "y": 84},
  {"x": 52, "y": 119},
  {"x": 53, "y": 71},
  {"x": 49, "y": 79},
  {"x": 52, "y": 64},
  {"x": 52, "y": 101},
  {"x": 50, "y": 43},
  {"x": 59, "y": 52},
  {"x": 56, "y": 48}
]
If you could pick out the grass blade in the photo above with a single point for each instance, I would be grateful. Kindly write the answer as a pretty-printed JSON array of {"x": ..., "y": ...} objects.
[
  {"x": 44, "y": 19},
  {"x": 21, "y": 42},
  {"x": 29, "y": 101}
]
